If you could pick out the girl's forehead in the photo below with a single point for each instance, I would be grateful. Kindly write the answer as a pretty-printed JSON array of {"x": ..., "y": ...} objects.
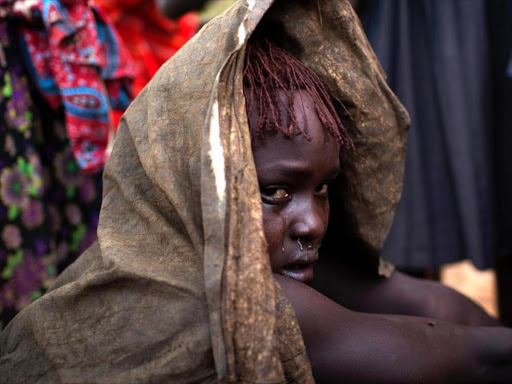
[
  {"x": 298, "y": 104},
  {"x": 311, "y": 151}
]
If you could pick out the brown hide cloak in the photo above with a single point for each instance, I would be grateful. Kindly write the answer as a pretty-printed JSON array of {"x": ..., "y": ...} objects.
[{"x": 179, "y": 288}]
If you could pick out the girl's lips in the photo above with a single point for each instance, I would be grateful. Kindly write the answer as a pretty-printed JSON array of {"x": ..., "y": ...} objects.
[{"x": 303, "y": 273}]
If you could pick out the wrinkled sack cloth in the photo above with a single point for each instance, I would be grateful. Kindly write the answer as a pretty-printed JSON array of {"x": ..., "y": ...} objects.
[{"x": 179, "y": 287}]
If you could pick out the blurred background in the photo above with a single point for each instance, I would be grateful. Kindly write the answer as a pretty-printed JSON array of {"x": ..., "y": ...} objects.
[
  {"x": 69, "y": 71},
  {"x": 450, "y": 63}
]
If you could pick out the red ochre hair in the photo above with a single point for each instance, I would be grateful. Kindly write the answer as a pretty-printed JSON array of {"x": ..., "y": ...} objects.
[{"x": 269, "y": 73}]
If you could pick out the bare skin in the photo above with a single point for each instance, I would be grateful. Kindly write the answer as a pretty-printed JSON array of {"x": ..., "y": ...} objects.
[
  {"x": 349, "y": 346},
  {"x": 400, "y": 294},
  {"x": 353, "y": 347}
]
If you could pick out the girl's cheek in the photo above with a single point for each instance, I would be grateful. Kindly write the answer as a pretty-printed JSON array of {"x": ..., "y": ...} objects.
[{"x": 274, "y": 226}]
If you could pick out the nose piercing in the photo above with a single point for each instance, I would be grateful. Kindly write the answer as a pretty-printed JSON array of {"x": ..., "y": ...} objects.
[{"x": 301, "y": 246}]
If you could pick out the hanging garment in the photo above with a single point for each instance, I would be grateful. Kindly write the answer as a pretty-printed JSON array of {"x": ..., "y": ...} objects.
[
  {"x": 435, "y": 54},
  {"x": 49, "y": 209},
  {"x": 78, "y": 63}
]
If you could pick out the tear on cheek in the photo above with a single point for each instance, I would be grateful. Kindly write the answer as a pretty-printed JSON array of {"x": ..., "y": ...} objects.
[{"x": 274, "y": 226}]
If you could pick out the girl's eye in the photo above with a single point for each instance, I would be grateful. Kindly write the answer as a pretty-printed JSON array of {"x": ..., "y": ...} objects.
[
  {"x": 275, "y": 195},
  {"x": 323, "y": 189}
]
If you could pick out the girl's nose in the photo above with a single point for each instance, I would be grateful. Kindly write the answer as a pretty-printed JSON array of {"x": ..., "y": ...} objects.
[{"x": 310, "y": 220}]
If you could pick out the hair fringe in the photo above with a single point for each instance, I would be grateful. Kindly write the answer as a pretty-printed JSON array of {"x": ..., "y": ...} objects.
[{"x": 269, "y": 70}]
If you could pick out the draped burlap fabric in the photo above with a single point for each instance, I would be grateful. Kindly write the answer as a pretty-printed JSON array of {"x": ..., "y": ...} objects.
[{"x": 179, "y": 288}]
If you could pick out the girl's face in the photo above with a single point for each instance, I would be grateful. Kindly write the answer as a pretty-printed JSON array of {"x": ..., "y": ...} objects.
[{"x": 294, "y": 175}]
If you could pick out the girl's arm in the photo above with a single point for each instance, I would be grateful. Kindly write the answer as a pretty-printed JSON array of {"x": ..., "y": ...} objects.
[
  {"x": 400, "y": 294},
  {"x": 348, "y": 346}
]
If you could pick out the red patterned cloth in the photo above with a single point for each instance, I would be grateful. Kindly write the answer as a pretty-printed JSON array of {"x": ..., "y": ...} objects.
[
  {"x": 150, "y": 37},
  {"x": 79, "y": 63}
]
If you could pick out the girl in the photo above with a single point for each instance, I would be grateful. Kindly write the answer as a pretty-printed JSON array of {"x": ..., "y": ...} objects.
[{"x": 197, "y": 214}]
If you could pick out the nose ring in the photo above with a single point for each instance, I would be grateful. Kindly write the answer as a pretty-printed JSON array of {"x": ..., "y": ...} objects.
[{"x": 307, "y": 244}]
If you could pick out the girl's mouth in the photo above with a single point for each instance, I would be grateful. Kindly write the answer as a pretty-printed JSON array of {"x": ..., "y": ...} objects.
[{"x": 302, "y": 272}]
